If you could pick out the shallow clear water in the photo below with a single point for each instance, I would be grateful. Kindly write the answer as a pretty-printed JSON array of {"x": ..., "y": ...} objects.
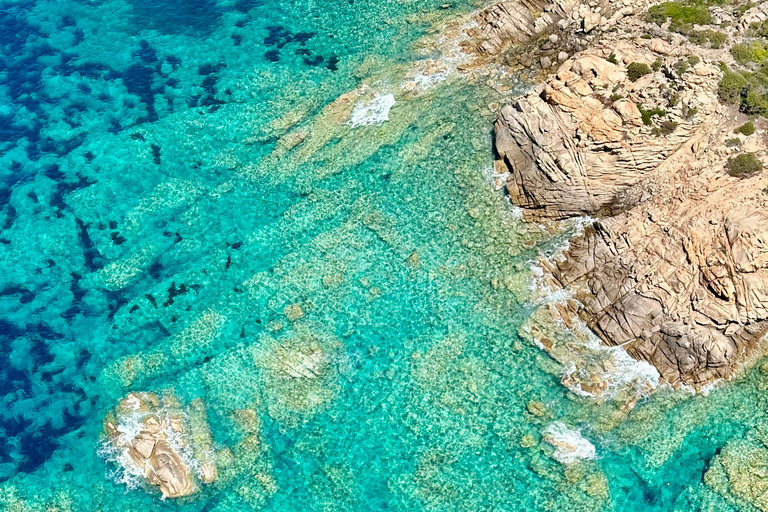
[{"x": 178, "y": 178}]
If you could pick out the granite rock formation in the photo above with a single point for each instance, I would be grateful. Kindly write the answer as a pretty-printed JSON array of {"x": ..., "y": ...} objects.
[
  {"x": 153, "y": 438},
  {"x": 675, "y": 268}
]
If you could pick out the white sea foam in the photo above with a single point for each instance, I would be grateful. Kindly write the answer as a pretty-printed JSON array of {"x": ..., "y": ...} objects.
[
  {"x": 570, "y": 445},
  {"x": 117, "y": 450},
  {"x": 375, "y": 111},
  {"x": 612, "y": 366}
]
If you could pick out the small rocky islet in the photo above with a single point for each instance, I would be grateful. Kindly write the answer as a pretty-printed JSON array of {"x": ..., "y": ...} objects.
[{"x": 629, "y": 138}]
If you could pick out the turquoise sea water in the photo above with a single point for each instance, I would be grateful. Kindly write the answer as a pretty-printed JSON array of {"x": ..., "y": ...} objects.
[{"x": 183, "y": 198}]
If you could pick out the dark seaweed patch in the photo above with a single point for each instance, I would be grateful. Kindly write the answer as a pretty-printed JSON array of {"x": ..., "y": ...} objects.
[
  {"x": 117, "y": 238},
  {"x": 333, "y": 62},
  {"x": 156, "y": 153},
  {"x": 34, "y": 442},
  {"x": 272, "y": 55},
  {"x": 93, "y": 258},
  {"x": 174, "y": 292}
]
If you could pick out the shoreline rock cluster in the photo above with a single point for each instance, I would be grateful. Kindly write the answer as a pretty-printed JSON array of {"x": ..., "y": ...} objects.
[
  {"x": 154, "y": 441},
  {"x": 674, "y": 267}
]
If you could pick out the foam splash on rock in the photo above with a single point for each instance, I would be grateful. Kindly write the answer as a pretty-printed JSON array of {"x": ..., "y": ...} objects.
[
  {"x": 589, "y": 368},
  {"x": 150, "y": 441},
  {"x": 570, "y": 445},
  {"x": 374, "y": 112}
]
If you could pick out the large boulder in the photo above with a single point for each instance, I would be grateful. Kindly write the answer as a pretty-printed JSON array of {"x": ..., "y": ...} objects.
[{"x": 153, "y": 439}]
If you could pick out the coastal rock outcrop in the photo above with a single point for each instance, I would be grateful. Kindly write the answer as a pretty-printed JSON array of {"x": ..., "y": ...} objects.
[
  {"x": 154, "y": 440},
  {"x": 675, "y": 269}
]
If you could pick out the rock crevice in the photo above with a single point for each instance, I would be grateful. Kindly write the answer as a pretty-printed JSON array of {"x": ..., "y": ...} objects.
[{"x": 675, "y": 266}]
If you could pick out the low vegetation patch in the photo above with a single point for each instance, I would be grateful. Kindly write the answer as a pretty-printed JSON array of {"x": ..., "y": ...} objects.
[
  {"x": 636, "y": 70},
  {"x": 665, "y": 128},
  {"x": 743, "y": 165},
  {"x": 714, "y": 38},
  {"x": 680, "y": 14},
  {"x": 647, "y": 115},
  {"x": 730, "y": 87},
  {"x": 746, "y": 53},
  {"x": 747, "y": 129}
]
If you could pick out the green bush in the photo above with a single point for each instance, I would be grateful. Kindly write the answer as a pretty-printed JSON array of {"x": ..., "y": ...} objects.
[
  {"x": 612, "y": 58},
  {"x": 636, "y": 70},
  {"x": 681, "y": 66},
  {"x": 665, "y": 128},
  {"x": 690, "y": 113},
  {"x": 747, "y": 129},
  {"x": 693, "y": 60},
  {"x": 674, "y": 99},
  {"x": 646, "y": 115},
  {"x": 680, "y": 14},
  {"x": 753, "y": 52},
  {"x": 755, "y": 101},
  {"x": 701, "y": 37},
  {"x": 759, "y": 29},
  {"x": 733, "y": 142},
  {"x": 656, "y": 65},
  {"x": 730, "y": 87},
  {"x": 646, "y": 36},
  {"x": 743, "y": 165}
]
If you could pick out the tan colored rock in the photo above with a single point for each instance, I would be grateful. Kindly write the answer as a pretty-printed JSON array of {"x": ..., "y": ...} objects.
[
  {"x": 570, "y": 153},
  {"x": 150, "y": 437},
  {"x": 591, "y": 21},
  {"x": 675, "y": 269},
  {"x": 660, "y": 46}
]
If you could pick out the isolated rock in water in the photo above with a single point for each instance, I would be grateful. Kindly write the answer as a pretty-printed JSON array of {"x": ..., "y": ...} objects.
[
  {"x": 149, "y": 438},
  {"x": 570, "y": 445},
  {"x": 676, "y": 269}
]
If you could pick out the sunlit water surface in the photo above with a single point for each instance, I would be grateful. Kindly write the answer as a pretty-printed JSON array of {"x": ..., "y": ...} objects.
[{"x": 183, "y": 193}]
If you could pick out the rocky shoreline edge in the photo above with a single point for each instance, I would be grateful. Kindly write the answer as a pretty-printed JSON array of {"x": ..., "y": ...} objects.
[{"x": 636, "y": 132}]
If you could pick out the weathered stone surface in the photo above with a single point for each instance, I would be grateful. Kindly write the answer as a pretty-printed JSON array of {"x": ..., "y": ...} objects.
[
  {"x": 151, "y": 437},
  {"x": 676, "y": 268}
]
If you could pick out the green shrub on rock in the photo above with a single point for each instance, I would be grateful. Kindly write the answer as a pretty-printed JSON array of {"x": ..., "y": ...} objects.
[
  {"x": 730, "y": 87},
  {"x": 746, "y": 53},
  {"x": 701, "y": 37},
  {"x": 680, "y": 14},
  {"x": 743, "y": 165},
  {"x": 755, "y": 101},
  {"x": 665, "y": 128},
  {"x": 646, "y": 115},
  {"x": 747, "y": 129},
  {"x": 636, "y": 70}
]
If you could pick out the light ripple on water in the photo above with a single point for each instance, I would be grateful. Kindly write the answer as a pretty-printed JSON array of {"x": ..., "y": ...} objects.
[{"x": 184, "y": 221}]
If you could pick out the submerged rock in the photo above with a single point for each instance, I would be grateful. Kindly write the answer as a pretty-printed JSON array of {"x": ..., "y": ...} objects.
[
  {"x": 570, "y": 445},
  {"x": 152, "y": 439}
]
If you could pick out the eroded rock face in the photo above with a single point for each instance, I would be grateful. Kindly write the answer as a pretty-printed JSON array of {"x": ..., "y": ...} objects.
[
  {"x": 154, "y": 439},
  {"x": 574, "y": 144},
  {"x": 675, "y": 269}
]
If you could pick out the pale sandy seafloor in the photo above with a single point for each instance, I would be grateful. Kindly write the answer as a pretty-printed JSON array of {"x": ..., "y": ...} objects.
[{"x": 193, "y": 190}]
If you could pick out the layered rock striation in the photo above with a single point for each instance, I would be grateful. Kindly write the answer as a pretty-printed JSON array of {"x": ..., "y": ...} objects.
[{"x": 675, "y": 268}]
